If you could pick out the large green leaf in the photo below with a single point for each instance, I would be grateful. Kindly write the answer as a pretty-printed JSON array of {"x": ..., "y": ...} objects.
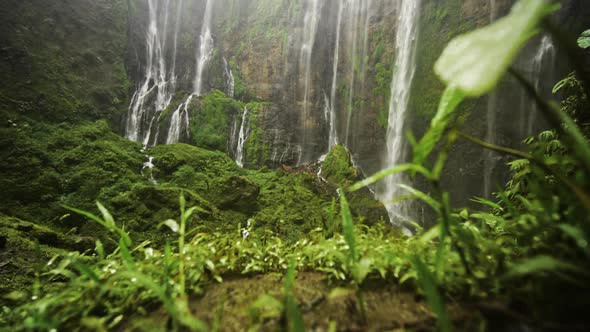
[
  {"x": 584, "y": 40},
  {"x": 475, "y": 62}
]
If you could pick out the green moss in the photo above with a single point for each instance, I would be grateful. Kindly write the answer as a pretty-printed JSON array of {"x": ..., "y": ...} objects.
[
  {"x": 437, "y": 28},
  {"x": 337, "y": 168},
  {"x": 256, "y": 149},
  {"x": 211, "y": 123},
  {"x": 290, "y": 205},
  {"x": 25, "y": 253},
  {"x": 57, "y": 71}
]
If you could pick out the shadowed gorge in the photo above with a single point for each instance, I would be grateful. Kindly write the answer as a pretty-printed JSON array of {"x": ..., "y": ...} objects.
[{"x": 294, "y": 165}]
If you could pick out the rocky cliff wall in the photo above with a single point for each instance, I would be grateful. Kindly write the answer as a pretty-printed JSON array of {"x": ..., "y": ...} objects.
[{"x": 63, "y": 60}]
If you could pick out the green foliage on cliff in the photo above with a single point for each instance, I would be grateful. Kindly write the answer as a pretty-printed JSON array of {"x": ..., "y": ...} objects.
[
  {"x": 211, "y": 122},
  {"x": 338, "y": 169},
  {"x": 437, "y": 27},
  {"x": 256, "y": 146},
  {"x": 59, "y": 71}
]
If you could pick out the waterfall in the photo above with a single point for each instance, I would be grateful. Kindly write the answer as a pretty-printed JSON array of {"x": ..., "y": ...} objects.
[
  {"x": 367, "y": 19},
  {"x": 536, "y": 68},
  {"x": 243, "y": 136},
  {"x": 543, "y": 62},
  {"x": 174, "y": 129},
  {"x": 149, "y": 167},
  {"x": 310, "y": 25},
  {"x": 359, "y": 15},
  {"x": 354, "y": 14},
  {"x": 179, "y": 120},
  {"x": 407, "y": 30},
  {"x": 230, "y": 83},
  {"x": 180, "y": 117},
  {"x": 205, "y": 50},
  {"x": 144, "y": 110},
  {"x": 331, "y": 104},
  {"x": 491, "y": 159},
  {"x": 177, "y": 25}
]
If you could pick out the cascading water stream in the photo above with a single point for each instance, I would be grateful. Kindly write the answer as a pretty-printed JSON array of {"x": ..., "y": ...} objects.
[
  {"x": 205, "y": 48},
  {"x": 543, "y": 62},
  {"x": 491, "y": 159},
  {"x": 331, "y": 104},
  {"x": 407, "y": 30},
  {"x": 230, "y": 80},
  {"x": 243, "y": 136},
  {"x": 180, "y": 117},
  {"x": 535, "y": 68},
  {"x": 148, "y": 168},
  {"x": 177, "y": 25},
  {"x": 311, "y": 21},
  {"x": 354, "y": 15},
  {"x": 144, "y": 110}
]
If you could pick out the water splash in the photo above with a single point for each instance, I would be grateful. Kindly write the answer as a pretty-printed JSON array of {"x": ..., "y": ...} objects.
[
  {"x": 148, "y": 168},
  {"x": 407, "y": 30}
]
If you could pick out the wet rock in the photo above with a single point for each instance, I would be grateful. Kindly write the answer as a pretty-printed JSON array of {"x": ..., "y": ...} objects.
[
  {"x": 25, "y": 226},
  {"x": 48, "y": 237},
  {"x": 237, "y": 193}
]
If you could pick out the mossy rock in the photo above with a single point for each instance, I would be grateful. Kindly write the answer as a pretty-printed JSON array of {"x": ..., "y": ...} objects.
[
  {"x": 211, "y": 123},
  {"x": 168, "y": 159},
  {"x": 236, "y": 193},
  {"x": 337, "y": 168}
]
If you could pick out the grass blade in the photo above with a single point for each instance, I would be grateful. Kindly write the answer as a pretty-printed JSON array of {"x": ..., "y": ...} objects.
[
  {"x": 388, "y": 172},
  {"x": 435, "y": 300}
]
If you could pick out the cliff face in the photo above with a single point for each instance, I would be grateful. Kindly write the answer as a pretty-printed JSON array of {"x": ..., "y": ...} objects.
[
  {"x": 63, "y": 60},
  {"x": 283, "y": 53},
  {"x": 295, "y": 77}
]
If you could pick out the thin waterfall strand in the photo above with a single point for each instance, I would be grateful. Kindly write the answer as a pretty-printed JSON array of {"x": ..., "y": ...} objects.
[{"x": 407, "y": 30}]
